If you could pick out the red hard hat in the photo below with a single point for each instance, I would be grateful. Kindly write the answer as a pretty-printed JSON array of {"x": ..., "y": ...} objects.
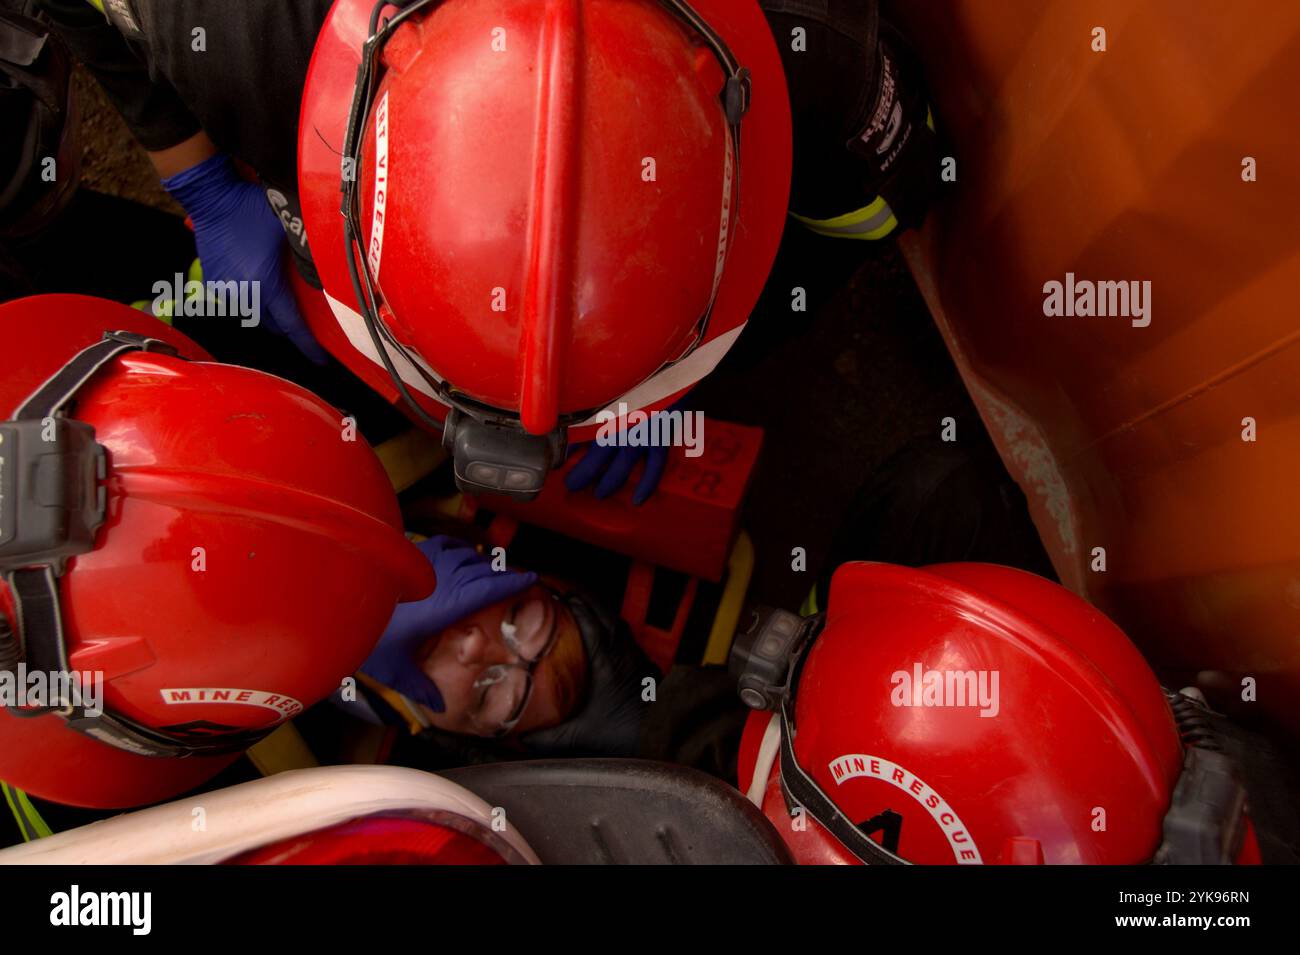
[
  {"x": 235, "y": 557},
  {"x": 438, "y": 838},
  {"x": 966, "y": 713},
  {"x": 546, "y": 204}
]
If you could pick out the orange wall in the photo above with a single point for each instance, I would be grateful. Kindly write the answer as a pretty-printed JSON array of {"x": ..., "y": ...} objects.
[{"x": 1127, "y": 165}]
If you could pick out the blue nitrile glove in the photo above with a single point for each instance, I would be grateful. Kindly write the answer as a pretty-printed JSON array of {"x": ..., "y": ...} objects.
[
  {"x": 240, "y": 239},
  {"x": 613, "y": 465},
  {"x": 610, "y": 465},
  {"x": 466, "y": 584}
]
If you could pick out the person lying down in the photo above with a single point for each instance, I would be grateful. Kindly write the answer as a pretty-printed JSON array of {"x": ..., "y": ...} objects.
[{"x": 499, "y": 655}]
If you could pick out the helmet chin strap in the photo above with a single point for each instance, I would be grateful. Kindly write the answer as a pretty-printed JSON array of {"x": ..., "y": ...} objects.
[
  {"x": 802, "y": 791},
  {"x": 767, "y": 660},
  {"x": 54, "y": 503}
]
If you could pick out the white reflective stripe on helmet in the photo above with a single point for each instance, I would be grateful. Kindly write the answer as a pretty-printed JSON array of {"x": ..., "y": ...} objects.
[
  {"x": 676, "y": 377},
  {"x": 354, "y": 327}
]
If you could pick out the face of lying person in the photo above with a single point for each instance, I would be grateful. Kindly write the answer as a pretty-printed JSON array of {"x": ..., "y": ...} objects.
[{"x": 481, "y": 676}]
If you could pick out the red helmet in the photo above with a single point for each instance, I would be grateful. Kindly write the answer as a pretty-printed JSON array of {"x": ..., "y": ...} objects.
[
  {"x": 327, "y": 815},
  {"x": 200, "y": 536},
  {"x": 543, "y": 212},
  {"x": 964, "y": 713},
  {"x": 389, "y": 839}
]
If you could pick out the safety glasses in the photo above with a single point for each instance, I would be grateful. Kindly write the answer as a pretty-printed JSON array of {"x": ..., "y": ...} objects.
[{"x": 530, "y": 630}]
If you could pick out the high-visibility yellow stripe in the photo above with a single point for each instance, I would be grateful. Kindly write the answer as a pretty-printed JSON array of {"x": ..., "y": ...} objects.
[
  {"x": 874, "y": 234},
  {"x": 30, "y": 823},
  {"x": 874, "y": 221},
  {"x": 809, "y": 603},
  {"x": 851, "y": 218},
  {"x": 98, "y": 5}
]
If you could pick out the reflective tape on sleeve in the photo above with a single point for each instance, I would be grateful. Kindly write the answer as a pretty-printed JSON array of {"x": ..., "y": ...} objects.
[{"x": 874, "y": 221}]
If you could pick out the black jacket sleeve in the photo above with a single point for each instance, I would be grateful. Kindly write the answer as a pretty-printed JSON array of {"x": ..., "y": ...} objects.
[{"x": 150, "y": 106}]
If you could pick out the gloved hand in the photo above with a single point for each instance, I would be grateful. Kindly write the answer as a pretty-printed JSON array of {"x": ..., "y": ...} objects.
[
  {"x": 610, "y": 465},
  {"x": 609, "y": 722},
  {"x": 240, "y": 239},
  {"x": 466, "y": 584}
]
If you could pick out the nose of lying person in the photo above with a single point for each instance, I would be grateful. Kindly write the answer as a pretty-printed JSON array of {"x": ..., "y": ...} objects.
[{"x": 472, "y": 646}]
